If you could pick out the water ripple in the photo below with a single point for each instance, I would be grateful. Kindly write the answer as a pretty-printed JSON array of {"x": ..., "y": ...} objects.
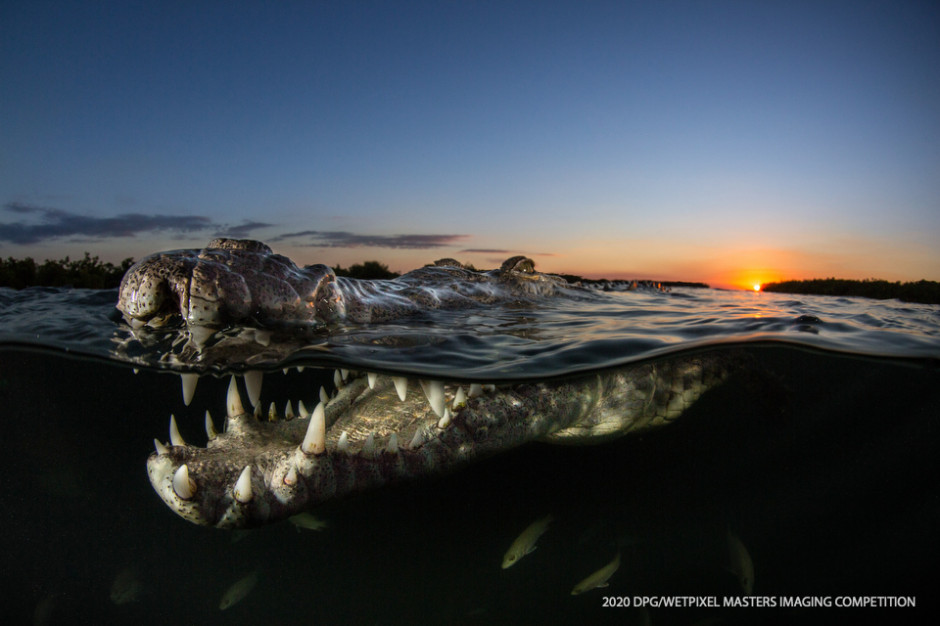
[{"x": 557, "y": 337}]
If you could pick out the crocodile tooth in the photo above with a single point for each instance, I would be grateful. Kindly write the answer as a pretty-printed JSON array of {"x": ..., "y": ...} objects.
[
  {"x": 372, "y": 376},
  {"x": 417, "y": 440},
  {"x": 263, "y": 337},
  {"x": 289, "y": 411},
  {"x": 324, "y": 396},
  {"x": 200, "y": 335},
  {"x": 257, "y": 411},
  {"x": 272, "y": 413},
  {"x": 342, "y": 443},
  {"x": 183, "y": 485},
  {"x": 302, "y": 409},
  {"x": 435, "y": 393},
  {"x": 137, "y": 370},
  {"x": 284, "y": 370},
  {"x": 161, "y": 449},
  {"x": 175, "y": 438},
  {"x": 368, "y": 446},
  {"x": 234, "y": 400},
  {"x": 315, "y": 439},
  {"x": 211, "y": 432},
  {"x": 242, "y": 491},
  {"x": 344, "y": 374},
  {"x": 291, "y": 477},
  {"x": 136, "y": 323},
  {"x": 476, "y": 389},
  {"x": 253, "y": 380},
  {"x": 401, "y": 386},
  {"x": 460, "y": 398},
  {"x": 300, "y": 369},
  {"x": 392, "y": 446},
  {"x": 337, "y": 379},
  {"x": 189, "y": 386},
  {"x": 444, "y": 422},
  {"x": 489, "y": 388}
]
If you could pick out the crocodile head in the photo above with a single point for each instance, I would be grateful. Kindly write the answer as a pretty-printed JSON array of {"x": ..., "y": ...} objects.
[
  {"x": 370, "y": 429},
  {"x": 228, "y": 282}
]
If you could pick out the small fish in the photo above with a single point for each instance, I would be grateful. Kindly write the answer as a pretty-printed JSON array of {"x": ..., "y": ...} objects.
[
  {"x": 599, "y": 578},
  {"x": 525, "y": 543},
  {"x": 740, "y": 563},
  {"x": 237, "y": 592},
  {"x": 308, "y": 521},
  {"x": 126, "y": 587}
]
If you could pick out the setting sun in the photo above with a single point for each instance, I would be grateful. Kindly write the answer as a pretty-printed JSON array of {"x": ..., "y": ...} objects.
[{"x": 752, "y": 280}]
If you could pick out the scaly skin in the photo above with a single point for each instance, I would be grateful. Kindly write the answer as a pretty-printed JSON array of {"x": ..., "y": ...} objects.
[
  {"x": 243, "y": 282},
  {"x": 286, "y": 480}
]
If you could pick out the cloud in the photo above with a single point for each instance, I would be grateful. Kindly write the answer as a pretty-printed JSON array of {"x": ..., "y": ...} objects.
[
  {"x": 41, "y": 223},
  {"x": 343, "y": 239},
  {"x": 500, "y": 251},
  {"x": 302, "y": 233},
  {"x": 242, "y": 230},
  {"x": 56, "y": 223}
]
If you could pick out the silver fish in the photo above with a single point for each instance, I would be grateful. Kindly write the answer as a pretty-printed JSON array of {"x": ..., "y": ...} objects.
[
  {"x": 598, "y": 578},
  {"x": 525, "y": 542},
  {"x": 237, "y": 592}
]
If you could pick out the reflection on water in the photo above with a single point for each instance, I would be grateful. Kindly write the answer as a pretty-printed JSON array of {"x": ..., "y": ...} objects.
[{"x": 819, "y": 474}]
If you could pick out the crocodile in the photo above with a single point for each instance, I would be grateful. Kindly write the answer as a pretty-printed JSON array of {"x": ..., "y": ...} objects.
[{"x": 372, "y": 428}]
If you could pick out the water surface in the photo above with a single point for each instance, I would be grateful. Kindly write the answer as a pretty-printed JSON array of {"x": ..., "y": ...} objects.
[{"x": 552, "y": 338}]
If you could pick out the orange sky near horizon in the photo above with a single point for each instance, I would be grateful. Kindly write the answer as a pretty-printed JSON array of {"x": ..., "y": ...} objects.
[{"x": 733, "y": 267}]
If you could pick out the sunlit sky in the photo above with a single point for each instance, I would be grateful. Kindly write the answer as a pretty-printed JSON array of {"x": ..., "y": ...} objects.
[{"x": 718, "y": 141}]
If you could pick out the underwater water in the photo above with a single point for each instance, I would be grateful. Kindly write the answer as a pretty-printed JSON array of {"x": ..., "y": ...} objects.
[{"x": 817, "y": 469}]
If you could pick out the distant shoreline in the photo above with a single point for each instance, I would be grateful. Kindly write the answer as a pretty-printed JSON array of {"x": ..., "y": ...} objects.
[
  {"x": 85, "y": 273},
  {"x": 922, "y": 291}
]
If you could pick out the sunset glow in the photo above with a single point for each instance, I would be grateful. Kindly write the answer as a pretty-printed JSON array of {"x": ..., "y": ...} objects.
[
  {"x": 759, "y": 274},
  {"x": 755, "y": 280}
]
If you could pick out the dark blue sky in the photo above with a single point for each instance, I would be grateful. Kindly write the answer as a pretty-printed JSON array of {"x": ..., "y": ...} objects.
[{"x": 678, "y": 139}]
